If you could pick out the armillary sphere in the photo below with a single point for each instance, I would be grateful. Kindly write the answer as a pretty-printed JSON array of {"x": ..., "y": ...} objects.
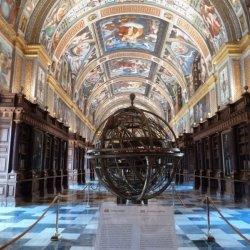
[{"x": 135, "y": 155}]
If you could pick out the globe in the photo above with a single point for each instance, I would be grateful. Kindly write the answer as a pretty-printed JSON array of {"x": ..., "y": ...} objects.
[{"x": 135, "y": 155}]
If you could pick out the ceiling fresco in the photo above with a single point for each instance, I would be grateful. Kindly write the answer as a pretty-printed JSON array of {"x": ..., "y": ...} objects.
[
  {"x": 9, "y": 10},
  {"x": 103, "y": 95},
  {"x": 123, "y": 101},
  {"x": 130, "y": 32},
  {"x": 200, "y": 13},
  {"x": 130, "y": 87},
  {"x": 26, "y": 14},
  {"x": 158, "y": 40},
  {"x": 169, "y": 82},
  {"x": 94, "y": 77},
  {"x": 129, "y": 67},
  {"x": 80, "y": 51},
  {"x": 103, "y": 113}
]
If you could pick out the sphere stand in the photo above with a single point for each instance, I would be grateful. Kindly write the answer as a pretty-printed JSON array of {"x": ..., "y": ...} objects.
[{"x": 122, "y": 201}]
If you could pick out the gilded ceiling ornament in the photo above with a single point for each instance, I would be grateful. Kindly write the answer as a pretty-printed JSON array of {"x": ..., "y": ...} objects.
[
  {"x": 168, "y": 16},
  {"x": 92, "y": 17}
]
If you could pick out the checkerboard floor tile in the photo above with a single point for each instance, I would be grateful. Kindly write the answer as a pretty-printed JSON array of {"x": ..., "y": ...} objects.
[{"x": 79, "y": 222}]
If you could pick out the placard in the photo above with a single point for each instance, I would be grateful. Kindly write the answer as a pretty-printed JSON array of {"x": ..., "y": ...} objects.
[{"x": 136, "y": 228}]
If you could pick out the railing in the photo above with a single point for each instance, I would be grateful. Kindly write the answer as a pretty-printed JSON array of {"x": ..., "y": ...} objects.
[
  {"x": 57, "y": 200},
  {"x": 209, "y": 203},
  {"x": 192, "y": 176},
  {"x": 220, "y": 179}
]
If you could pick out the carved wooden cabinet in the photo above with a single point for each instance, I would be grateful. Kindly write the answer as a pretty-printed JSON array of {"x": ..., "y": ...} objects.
[
  {"x": 186, "y": 145},
  {"x": 33, "y": 146},
  {"x": 76, "y": 159},
  {"x": 222, "y": 151}
]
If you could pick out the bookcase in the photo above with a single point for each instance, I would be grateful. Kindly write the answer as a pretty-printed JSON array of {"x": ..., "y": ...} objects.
[
  {"x": 222, "y": 148},
  {"x": 243, "y": 147},
  {"x": 34, "y": 160},
  {"x": 76, "y": 162},
  {"x": 216, "y": 153}
]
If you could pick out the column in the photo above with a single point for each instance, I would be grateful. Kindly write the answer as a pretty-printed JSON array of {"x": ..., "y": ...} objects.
[{"x": 15, "y": 152}]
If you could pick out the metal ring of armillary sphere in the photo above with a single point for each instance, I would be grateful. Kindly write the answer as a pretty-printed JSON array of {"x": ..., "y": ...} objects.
[{"x": 135, "y": 155}]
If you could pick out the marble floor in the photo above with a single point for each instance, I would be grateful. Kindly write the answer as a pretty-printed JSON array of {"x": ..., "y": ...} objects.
[{"x": 78, "y": 221}]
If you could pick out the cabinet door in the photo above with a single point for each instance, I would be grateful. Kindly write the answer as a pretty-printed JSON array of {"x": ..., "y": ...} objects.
[
  {"x": 25, "y": 147},
  {"x": 56, "y": 154},
  {"x": 243, "y": 150},
  {"x": 227, "y": 152},
  {"x": 37, "y": 156},
  {"x": 5, "y": 138}
]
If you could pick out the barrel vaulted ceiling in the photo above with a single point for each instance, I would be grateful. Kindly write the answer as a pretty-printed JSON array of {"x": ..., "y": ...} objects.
[{"x": 104, "y": 50}]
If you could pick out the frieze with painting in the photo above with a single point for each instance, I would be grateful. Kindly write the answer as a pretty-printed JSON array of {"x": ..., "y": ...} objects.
[
  {"x": 41, "y": 85},
  {"x": 201, "y": 109},
  {"x": 5, "y": 64},
  {"x": 191, "y": 117},
  {"x": 224, "y": 89},
  {"x": 56, "y": 105},
  {"x": 166, "y": 76}
]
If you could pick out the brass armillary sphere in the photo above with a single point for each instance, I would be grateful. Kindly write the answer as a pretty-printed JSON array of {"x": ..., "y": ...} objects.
[{"x": 135, "y": 156}]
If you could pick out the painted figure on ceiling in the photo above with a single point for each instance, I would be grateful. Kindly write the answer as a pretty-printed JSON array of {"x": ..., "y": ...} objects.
[
  {"x": 129, "y": 32},
  {"x": 123, "y": 87},
  {"x": 92, "y": 78},
  {"x": 9, "y": 10},
  {"x": 185, "y": 55},
  {"x": 27, "y": 12},
  {"x": 48, "y": 32},
  {"x": 80, "y": 51},
  {"x": 103, "y": 95},
  {"x": 165, "y": 75},
  {"x": 180, "y": 35},
  {"x": 236, "y": 5},
  {"x": 210, "y": 17},
  {"x": 129, "y": 67}
]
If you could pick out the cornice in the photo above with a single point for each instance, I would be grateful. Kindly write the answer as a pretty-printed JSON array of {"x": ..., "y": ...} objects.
[
  {"x": 67, "y": 100},
  {"x": 38, "y": 51},
  {"x": 232, "y": 49},
  {"x": 198, "y": 95},
  {"x": 20, "y": 43}
]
